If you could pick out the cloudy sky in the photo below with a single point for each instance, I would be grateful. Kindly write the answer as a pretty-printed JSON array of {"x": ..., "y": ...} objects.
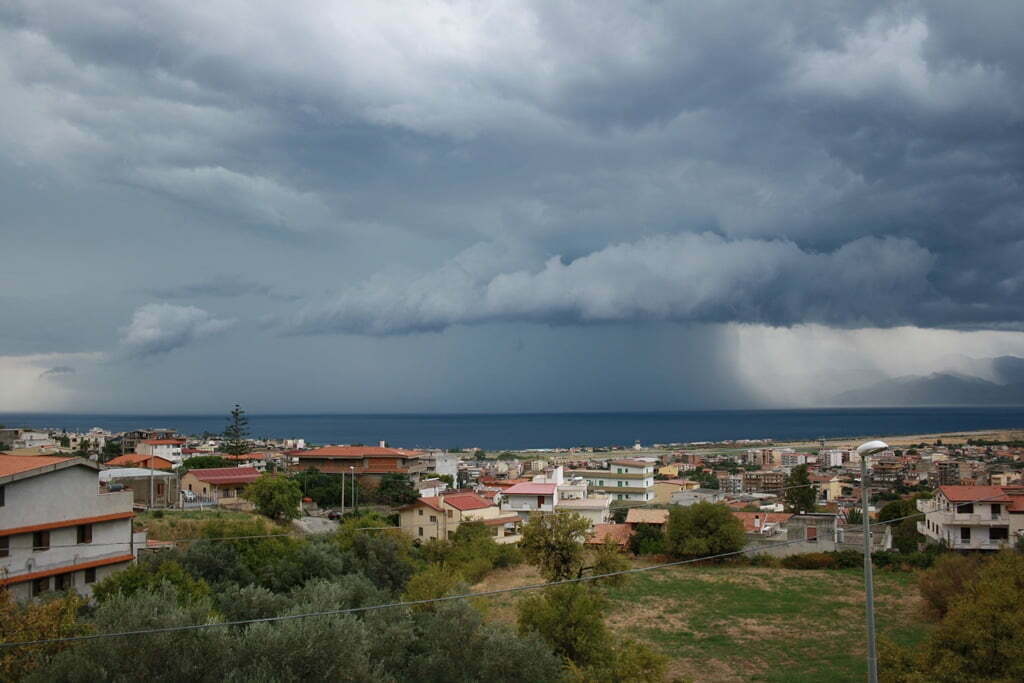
[{"x": 502, "y": 206}]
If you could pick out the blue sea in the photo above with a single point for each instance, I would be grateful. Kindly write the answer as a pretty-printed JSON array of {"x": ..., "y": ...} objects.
[{"x": 554, "y": 430}]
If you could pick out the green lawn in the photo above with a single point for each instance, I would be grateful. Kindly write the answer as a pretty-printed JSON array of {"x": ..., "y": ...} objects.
[{"x": 743, "y": 623}]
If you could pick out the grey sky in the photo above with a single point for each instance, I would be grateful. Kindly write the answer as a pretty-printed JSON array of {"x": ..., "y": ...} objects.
[{"x": 501, "y": 206}]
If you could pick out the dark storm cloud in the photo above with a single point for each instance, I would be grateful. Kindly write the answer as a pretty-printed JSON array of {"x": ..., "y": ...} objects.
[
  {"x": 413, "y": 166},
  {"x": 57, "y": 370}
]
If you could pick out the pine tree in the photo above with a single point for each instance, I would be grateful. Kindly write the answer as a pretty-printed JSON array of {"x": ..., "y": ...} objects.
[{"x": 236, "y": 434}]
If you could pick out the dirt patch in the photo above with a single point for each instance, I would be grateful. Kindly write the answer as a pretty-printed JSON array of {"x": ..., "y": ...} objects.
[
  {"x": 704, "y": 670},
  {"x": 652, "y": 613}
]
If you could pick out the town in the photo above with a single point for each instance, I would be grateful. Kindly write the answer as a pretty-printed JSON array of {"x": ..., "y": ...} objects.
[{"x": 81, "y": 511}]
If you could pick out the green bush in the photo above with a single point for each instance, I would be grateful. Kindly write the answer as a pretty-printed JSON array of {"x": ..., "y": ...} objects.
[{"x": 810, "y": 561}]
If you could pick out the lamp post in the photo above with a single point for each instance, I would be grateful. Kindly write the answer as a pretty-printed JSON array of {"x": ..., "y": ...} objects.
[
  {"x": 865, "y": 450},
  {"x": 355, "y": 505},
  {"x": 343, "y": 492}
]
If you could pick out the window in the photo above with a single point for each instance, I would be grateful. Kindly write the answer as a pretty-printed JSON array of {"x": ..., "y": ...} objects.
[
  {"x": 997, "y": 510},
  {"x": 85, "y": 533},
  {"x": 449, "y": 514},
  {"x": 40, "y": 586},
  {"x": 600, "y": 482},
  {"x": 90, "y": 575},
  {"x": 41, "y": 540},
  {"x": 812, "y": 534},
  {"x": 433, "y": 518},
  {"x": 1, "y": 496},
  {"x": 450, "y": 535},
  {"x": 999, "y": 533},
  {"x": 965, "y": 534},
  {"x": 5, "y": 546},
  {"x": 420, "y": 511},
  {"x": 966, "y": 508},
  {"x": 63, "y": 581},
  {"x": 421, "y": 531}
]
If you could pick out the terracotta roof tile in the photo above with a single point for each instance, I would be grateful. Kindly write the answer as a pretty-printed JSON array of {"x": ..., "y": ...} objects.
[{"x": 16, "y": 464}]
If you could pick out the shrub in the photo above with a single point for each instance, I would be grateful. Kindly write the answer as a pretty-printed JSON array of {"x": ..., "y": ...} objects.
[
  {"x": 945, "y": 581},
  {"x": 810, "y": 561}
]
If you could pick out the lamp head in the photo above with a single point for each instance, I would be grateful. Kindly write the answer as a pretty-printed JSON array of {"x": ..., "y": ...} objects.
[{"x": 872, "y": 447}]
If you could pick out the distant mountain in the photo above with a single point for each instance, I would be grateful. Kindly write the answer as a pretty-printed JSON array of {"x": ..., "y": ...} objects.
[{"x": 943, "y": 388}]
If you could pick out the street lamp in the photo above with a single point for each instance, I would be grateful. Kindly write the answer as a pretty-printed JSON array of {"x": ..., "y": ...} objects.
[
  {"x": 865, "y": 450},
  {"x": 355, "y": 507}
]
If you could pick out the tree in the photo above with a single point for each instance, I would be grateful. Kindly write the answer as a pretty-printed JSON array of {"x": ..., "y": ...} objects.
[
  {"x": 945, "y": 580},
  {"x": 647, "y": 539},
  {"x": 554, "y": 543},
  {"x": 854, "y": 516},
  {"x": 905, "y": 536},
  {"x": 111, "y": 450},
  {"x": 981, "y": 637},
  {"x": 236, "y": 434},
  {"x": 147, "y": 575},
  {"x": 800, "y": 495},
  {"x": 608, "y": 559},
  {"x": 570, "y": 618},
  {"x": 53, "y": 618},
  {"x": 703, "y": 529},
  {"x": 203, "y": 462},
  {"x": 275, "y": 497},
  {"x": 396, "y": 490}
]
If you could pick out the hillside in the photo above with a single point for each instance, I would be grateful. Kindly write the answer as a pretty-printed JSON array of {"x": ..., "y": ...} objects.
[{"x": 746, "y": 623}]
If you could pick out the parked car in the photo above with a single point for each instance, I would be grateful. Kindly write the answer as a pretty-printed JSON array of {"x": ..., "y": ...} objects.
[
  {"x": 189, "y": 496},
  {"x": 333, "y": 514}
]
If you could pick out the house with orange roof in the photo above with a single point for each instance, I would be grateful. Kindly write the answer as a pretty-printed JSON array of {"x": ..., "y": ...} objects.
[
  {"x": 368, "y": 463},
  {"x": 439, "y": 517},
  {"x": 220, "y": 485},
  {"x": 616, "y": 533},
  {"x": 58, "y": 529},
  {"x": 974, "y": 517}
]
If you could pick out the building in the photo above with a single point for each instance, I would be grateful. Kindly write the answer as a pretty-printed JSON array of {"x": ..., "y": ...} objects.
[
  {"x": 368, "y": 463},
  {"x": 763, "y": 482},
  {"x": 974, "y": 517},
  {"x": 687, "y": 497},
  {"x": 439, "y": 517},
  {"x": 596, "y": 509},
  {"x": 763, "y": 523},
  {"x": 529, "y": 497},
  {"x": 150, "y": 488},
  {"x": 619, "y": 534},
  {"x": 631, "y": 480},
  {"x": 168, "y": 449},
  {"x": 58, "y": 529},
  {"x": 665, "y": 488},
  {"x": 153, "y": 462},
  {"x": 946, "y": 473},
  {"x": 220, "y": 485},
  {"x": 130, "y": 440},
  {"x": 657, "y": 517}
]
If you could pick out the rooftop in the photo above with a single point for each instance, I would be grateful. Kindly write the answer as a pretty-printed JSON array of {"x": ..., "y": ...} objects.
[
  {"x": 227, "y": 475},
  {"x": 356, "y": 452},
  {"x": 532, "y": 489},
  {"x": 620, "y": 533},
  {"x": 16, "y": 464},
  {"x": 639, "y": 516}
]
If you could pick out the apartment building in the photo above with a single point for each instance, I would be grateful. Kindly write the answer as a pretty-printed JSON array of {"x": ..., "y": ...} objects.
[
  {"x": 168, "y": 449},
  {"x": 631, "y": 480},
  {"x": 368, "y": 463},
  {"x": 58, "y": 529},
  {"x": 763, "y": 482},
  {"x": 974, "y": 517},
  {"x": 526, "y": 498}
]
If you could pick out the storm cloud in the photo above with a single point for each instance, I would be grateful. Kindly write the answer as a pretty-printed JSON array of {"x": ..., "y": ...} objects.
[{"x": 414, "y": 167}]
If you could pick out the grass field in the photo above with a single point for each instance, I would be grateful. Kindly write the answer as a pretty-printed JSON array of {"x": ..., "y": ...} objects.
[
  {"x": 169, "y": 525},
  {"x": 731, "y": 623}
]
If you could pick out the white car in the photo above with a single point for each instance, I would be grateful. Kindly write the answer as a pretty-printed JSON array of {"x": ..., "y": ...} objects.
[{"x": 189, "y": 496}]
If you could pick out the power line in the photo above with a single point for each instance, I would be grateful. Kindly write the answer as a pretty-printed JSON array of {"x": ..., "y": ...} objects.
[{"x": 413, "y": 603}]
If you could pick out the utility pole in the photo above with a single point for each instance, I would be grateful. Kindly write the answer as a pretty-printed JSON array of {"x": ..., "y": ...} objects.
[
  {"x": 343, "y": 492},
  {"x": 864, "y": 450}
]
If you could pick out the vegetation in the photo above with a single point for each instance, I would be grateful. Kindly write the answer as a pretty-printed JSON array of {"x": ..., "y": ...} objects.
[
  {"x": 647, "y": 539},
  {"x": 203, "y": 462},
  {"x": 554, "y": 543},
  {"x": 800, "y": 496},
  {"x": 236, "y": 434},
  {"x": 324, "y": 489},
  {"x": 37, "y": 620},
  {"x": 276, "y": 497},
  {"x": 981, "y": 633},
  {"x": 396, "y": 490},
  {"x": 703, "y": 529}
]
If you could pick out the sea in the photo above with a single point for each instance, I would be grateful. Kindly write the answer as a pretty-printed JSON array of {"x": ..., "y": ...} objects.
[{"x": 521, "y": 431}]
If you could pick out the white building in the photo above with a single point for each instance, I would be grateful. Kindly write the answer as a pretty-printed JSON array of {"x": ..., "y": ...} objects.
[
  {"x": 974, "y": 517},
  {"x": 168, "y": 449},
  {"x": 28, "y": 438},
  {"x": 526, "y": 498},
  {"x": 57, "y": 529},
  {"x": 595, "y": 509},
  {"x": 624, "y": 479}
]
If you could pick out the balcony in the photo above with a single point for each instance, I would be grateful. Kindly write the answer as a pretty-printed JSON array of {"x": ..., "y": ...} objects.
[{"x": 950, "y": 518}]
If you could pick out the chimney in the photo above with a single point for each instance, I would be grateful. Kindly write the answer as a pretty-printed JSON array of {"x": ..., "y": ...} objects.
[{"x": 383, "y": 443}]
